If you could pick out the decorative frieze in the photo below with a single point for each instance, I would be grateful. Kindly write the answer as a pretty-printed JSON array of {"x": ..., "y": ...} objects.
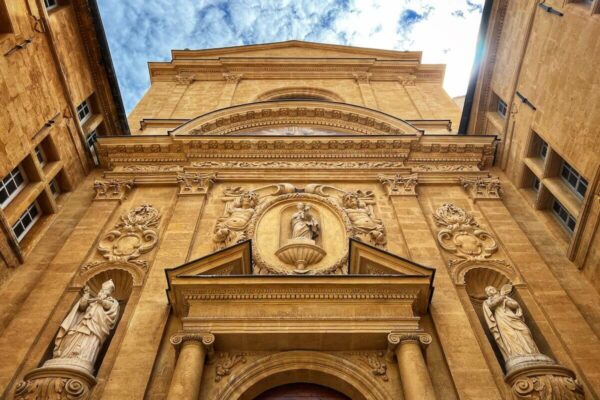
[
  {"x": 480, "y": 188},
  {"x": 195, "y": 183},
  {"x": 311, "y": 164},
  {"x": 112, "y": 189},
  {"x": 400, "y": 185}
]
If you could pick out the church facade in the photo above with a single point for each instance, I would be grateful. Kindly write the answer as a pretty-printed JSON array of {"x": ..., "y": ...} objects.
[{"x": 298, "y": 218}]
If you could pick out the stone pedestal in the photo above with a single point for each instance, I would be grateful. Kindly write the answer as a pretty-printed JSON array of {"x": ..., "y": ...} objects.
[
  {"x": 55, "y": 383},
  {"x": 544, "y": 382},
  {"x": 416, "y": 382}
]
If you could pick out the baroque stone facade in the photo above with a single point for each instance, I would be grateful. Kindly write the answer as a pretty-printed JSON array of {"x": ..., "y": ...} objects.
[{"x": 304, "y": 222}]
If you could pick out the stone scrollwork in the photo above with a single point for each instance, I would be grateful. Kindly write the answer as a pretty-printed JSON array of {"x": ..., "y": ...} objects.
[
  {"x": 482, "y": 187},
  {"x": 358, "y": 206},
  {"x": 112, "y": 189},
  {"x": 462, "y": 235},
  {"x": 400, "y": 185},
  {"x": 195, "y": 183},
  {"x": 376, "y": 363},
  {"x": 55, "y": 385},
  {"x": 135, "y": 234},
  {"x": 226, "y": 362},
  {"x": 555, "y": 384}
]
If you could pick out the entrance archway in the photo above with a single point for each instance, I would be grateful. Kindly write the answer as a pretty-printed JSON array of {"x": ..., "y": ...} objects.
[
  {"x": 304, "y": 391},
  {"x": 312, "y": 367}
]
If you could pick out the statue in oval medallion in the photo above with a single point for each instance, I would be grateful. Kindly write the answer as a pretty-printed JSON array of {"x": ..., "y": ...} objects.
[{"x": 304, "y": 224}]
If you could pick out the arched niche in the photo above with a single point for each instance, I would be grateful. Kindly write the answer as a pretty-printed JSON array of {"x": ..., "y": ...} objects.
[
  {"x": 299, "y": 93},
  {"x": 303, "y": 366}
]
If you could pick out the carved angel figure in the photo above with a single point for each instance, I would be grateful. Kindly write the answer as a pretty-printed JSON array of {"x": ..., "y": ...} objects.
[
  {"x": 87, "y": 326},
  {"x": 231, "y": 228},
  {"x": 504, "y": 318},
  {"x": 366, "y": 227},
  {"x": 304, "y": 224}
]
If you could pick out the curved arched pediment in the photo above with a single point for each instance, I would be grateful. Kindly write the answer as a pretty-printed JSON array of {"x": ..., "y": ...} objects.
[
  {"x": 299, "y": 93},
  {"x": 323, "y": 117}
]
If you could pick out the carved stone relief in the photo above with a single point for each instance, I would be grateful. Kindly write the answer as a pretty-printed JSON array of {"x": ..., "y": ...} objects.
[
  {"x": 483, "y": 187},
  {"x": 443, "y": 167},
  {"x": 295, "y": 224},
  {"x": 298, "y": 164},
  {"x": 112, "y": 189},
  {"x": 226, "y": 362},
  {"x": 152, "y": 168},
  {"x": 400, "y": 185},
  {"x": 462, "y": 236},
  {"x": 134, "y": 235}
]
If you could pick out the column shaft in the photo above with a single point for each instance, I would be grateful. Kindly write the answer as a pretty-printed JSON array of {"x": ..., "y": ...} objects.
[
  {"x": 416, "y": 383},
  {"x": 185, "y": 384}
]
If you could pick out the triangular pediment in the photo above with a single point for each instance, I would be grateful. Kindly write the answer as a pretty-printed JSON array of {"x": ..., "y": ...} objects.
[{"x": 299, "y": 49}]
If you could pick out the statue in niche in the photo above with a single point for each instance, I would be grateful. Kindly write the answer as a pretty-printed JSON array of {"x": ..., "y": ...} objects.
[
  {"x": 304, "y": 225},
  {"x": 231, "y": 228},
  {"x": 366, "y": 227},
  {"x": 504, "y": 318},
  {"x": 87, "y": 326}
]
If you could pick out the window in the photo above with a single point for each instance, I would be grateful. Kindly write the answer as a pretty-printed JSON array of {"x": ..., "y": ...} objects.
[
  {"x": 535, "y": 184},
  {"x": 11, "y": 185},
  {"x": 54, "y": 188},
  {"x": 89, "y": 141},
  {"x": 563, "y": 216},
  {"x": 41, "y": 156},
  {"x": 575, "y": 181},
  {"x": 26, "y": 221},
  {"x": 502, "y": 108},
  {"x": 84, "y": 111},
  {"x": 50, "y": 4},
  {"x": 543, "y": 150}
]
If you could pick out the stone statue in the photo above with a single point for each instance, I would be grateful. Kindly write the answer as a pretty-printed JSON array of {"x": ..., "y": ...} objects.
[
  {"x": 304, "y": 225},
  {"x": 87, "y": 326},
  {"x": 504, "y": 318},
  {"x": 366, "y": 227},
  {"x": 231, "y": 228}
]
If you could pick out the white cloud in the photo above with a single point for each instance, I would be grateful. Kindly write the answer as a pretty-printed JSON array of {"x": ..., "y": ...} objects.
[{"x": 147, "y": 30}]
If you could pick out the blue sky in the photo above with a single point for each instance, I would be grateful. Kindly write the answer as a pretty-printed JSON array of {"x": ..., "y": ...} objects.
[{"x": 146, "y": 30}]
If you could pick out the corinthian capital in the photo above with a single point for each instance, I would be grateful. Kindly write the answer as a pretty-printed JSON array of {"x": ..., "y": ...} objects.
[
  {"x": 400, "y": 185},
  {"x": 232, "y": 78},
  {"x": 112, "y": 189},
  {"x": 482, "y": 187},
  {"x": 195, "y": 183}
]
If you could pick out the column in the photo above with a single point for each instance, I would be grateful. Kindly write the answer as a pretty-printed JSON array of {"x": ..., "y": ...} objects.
[
  {"x": 185, "y": 384},
  {"x": 364, "y": 84},
  {"x": 231, "y": 82},
  {"x": 416, "y": 382}
]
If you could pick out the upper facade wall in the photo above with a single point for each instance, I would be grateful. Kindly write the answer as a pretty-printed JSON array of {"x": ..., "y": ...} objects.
[{"x": 197, "y": 82}]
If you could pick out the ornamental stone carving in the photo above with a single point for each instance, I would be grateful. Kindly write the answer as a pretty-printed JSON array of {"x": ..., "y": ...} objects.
[
  {"x": 443, "y": 167},
  {"x": 195, "y": 183},
  {"x": 531, "y": 374},
  {"x": 396, "y": 338},
  {"x": 461, "y": 234},
  {"x": 134, "y": 235},
  {"x": 112, "y": 189},
  {"x": 482, "y": 187},
  {"x": 298, "y": 164},
  {"x": 55, "y": 384},
  {"x": 376, "y": 363},
  {"x": 226, "y": 362},
  {"x": 400, "y": 185}
]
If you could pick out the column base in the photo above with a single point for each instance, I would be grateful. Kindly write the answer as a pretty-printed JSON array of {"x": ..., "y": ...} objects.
[
  {"x": 544, "y": 382},
  {"x": 55, "y": 383}
]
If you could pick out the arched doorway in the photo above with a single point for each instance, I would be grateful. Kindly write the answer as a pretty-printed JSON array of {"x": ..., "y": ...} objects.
[{"x": 301, "y": 391}]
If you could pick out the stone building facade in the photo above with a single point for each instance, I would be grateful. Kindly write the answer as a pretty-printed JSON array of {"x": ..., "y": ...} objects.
[{"x": 298, "y": 218}]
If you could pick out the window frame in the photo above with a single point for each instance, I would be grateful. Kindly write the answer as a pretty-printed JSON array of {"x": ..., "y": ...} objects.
[
  {"x": 54, "y": 187},
  {"x": 85, "y": 105},
  {"x": 19, "y": 188},
  {"x": 564, "y": 222},
  {"x": 501, "y": 105},
  {"x": 50, "y": 6},
  {"x": 40, "y": 154},
  {"x": 536, "y": 184},
  {"x": 579, "y": 180},
  {"x": 90, "y": 145},
  {"x": 33, "y": 220}
]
